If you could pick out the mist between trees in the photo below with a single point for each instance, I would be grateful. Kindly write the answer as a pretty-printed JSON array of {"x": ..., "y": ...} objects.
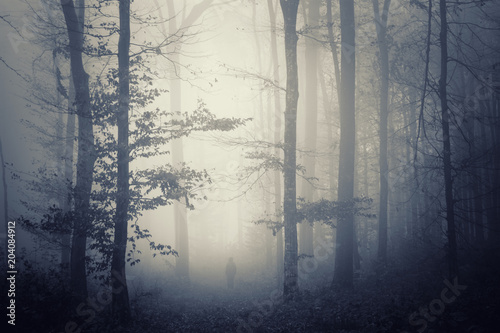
[{"x": 251, "y": 166}]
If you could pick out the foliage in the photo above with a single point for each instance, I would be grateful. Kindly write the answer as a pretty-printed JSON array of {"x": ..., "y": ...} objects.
[
  {"x": 54, "y": 221},
  {"x": 326, "y": 211},
  {"x": 323, "y": 210},
  {"x": 151, "y": 130},
  {"x": 267, "y": 161},
  {"x": 42, "y": 295},
  {"x": 271, "y": 162}
]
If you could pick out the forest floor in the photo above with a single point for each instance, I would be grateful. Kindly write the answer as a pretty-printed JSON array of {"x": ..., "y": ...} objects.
[
  {"x": 396, "y": 298},
  {"x": 393, "y": 300}
]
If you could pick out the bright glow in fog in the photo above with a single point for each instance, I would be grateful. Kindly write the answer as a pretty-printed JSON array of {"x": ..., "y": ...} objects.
[
  {"x": 209, "y": 65},
  {"x": 218, "y": 227}
]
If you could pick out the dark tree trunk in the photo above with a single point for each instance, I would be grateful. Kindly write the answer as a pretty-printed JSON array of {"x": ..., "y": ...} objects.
[
  {"x": 86, "y": 153},
  {"x": 493, "y": 111},
  {"x": 344, "y": 256},
  {"x": 381, "y": 27},
  {"x": 329, "y": 137},
  {"x": 289, "y": 9},
  {"x": 333, "y": 47},
  {"x": 356, "y": 255},
  {"x": 448, "y": 182},
  {"x": 60, "y": 156},
  {"x": 415, "y": 194},
  {"x": 475, "y": 179},
  {"x": 328, "y": 110},
  {"x": 68, "y": 174},
  {"x": 311, "y": 125},
  {"x": 277, "y": 139},
  {"x": 69, "y": 151},
  {"x": 120, "y": 300}
]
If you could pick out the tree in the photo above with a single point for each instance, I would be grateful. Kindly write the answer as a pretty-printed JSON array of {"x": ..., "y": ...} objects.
[
  {"x": 47, "y": 30},
  {"x": 447, "y": 167},
  {"x": 311, "y": 102},
  {"x": 180, "y": 208},
  {"x": 120, "y": 301},
  {"x": 277, "y": 138},
  {"x": 381, "y": 27},
  {"x": 345, "y": 232},
  {"x": 67, "y": 206},
  {"x": 67, "y": 200},
  {"x": 289, "y": 9},
  {"x": 86, "y": 153},
  {"x": 329, "y": 109}
]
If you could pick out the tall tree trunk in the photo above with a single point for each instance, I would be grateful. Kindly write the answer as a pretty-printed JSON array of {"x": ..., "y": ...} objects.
[
  {"x": 329, "y": 137},
  {"x": 493, "y": 111},
  {"x": 86, "y": 153},
  {"x": 64, "y": 195},
  {"x": 277, "y": 140},
  {"x": 321, "y": 230},
  {"x": 333, "y": 47},
  {"x": 59, "y": 156},
  {"x": 364, "y": 232},
  {"x": 241, "y": 217},
  {"x": 423, "y": 198},
  {"x": 68, "y": 173},
  {"x": 356, "y": 255},
  {"x": 381, "y": 27},
  {"x": 268, "y": 236},
  {"x": 289, "y": 9},
  {"x": 311, "y": 125},
  {"x": 407, "y": 192},
  {"x": 69, "y": 150},
  {"x": 344, "y": 256},
  {"x": 475, "y": 178},
  {"x": 415, "y": 194},
  {"x": 489, "y": 202},
  {"x": 120, "y": 300},
  {"x": 265, "y": 129},
  {"x": 448, "y": 182},
  {"x": 180, "y": 209},
  {"x": 268, "y": 195}
]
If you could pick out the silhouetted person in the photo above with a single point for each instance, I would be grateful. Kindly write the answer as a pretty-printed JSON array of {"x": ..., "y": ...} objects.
[{"x": 230, "y": 273}]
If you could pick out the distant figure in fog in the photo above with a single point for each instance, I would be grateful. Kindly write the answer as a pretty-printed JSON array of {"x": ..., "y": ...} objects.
[{"x": 230, "y": 273}]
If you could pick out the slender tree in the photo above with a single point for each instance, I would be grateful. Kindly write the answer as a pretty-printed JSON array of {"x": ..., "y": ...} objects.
[
  {"x": 381, "y": 27},
  {"x": 120, "y": 300},
  {"x": 277, "y": 138},
  {"x": 311, "y": 123},
  {"x": 333, "y": 47},
  {"x": 180, "y": 209},
  {"x": 67, "y": 201},
  {"x": 344, "y": 256},
  {"x": 69, "y": 147},
  {"x": 289, "y": 9},
  {"x": 86, "y": 152},
  {"x": 445, "y": 125},
  {"x": 328, "y": 108}
]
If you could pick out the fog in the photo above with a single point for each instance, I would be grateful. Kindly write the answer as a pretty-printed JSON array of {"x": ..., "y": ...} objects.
[{"x": 357, "y": 202}]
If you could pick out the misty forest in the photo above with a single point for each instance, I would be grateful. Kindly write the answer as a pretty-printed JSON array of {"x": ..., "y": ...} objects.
[{"x": 250, "y": 165}]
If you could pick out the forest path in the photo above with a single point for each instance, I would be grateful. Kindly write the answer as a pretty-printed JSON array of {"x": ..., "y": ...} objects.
[{"x": 392, "y": 302}]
